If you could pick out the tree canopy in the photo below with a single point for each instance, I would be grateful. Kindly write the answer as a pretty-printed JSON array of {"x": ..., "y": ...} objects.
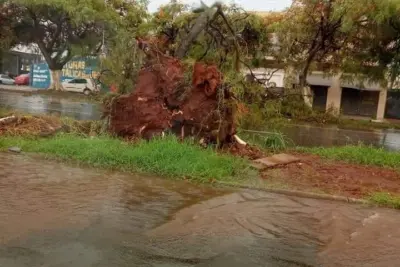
[{"x": 361, "y": 37}]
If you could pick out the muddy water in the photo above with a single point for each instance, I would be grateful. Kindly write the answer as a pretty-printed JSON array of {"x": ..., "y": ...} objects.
[
  {"x": 329, "y": 136},
  {"x": 307, "y": 135},
  {"x": 51, "y": 105},
  {"x": 57, "y": 215}
]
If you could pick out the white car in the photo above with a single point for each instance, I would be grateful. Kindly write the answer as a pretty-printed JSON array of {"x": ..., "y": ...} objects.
[
  {"x": 5, "y": 79},
  {"x": 81, "y": 85}
]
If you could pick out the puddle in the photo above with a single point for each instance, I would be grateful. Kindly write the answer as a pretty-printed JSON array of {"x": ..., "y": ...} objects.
[
  {"x": 60, "y": 215},
  {"x": 50, "y": 105}
]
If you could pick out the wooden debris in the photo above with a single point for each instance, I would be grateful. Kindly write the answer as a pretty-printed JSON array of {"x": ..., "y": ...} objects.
[
  {"x": 274, "y": 161},
  {"x": 8, "y": 120}
]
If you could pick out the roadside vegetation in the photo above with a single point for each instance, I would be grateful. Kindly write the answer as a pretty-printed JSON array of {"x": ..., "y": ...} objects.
[
  {"x": 270, "y": 141},
  {"x": 166, "y": 157},
  {"x": 386, "y": 200}
]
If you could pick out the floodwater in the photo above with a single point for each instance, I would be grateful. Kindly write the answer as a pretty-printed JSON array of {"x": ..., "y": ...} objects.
[
  {"x": 300, "y": 135},
  {"x": 59, "y": 215},
  {"x": 51, "y": 105},
  {"x": 328, "y": 136}
]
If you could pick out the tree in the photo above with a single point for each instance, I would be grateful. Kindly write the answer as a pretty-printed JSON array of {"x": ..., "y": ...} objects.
[
  {"x": 61, "y": 29},
  {"x": 123, "y": 60},
  {"x": 7, "y": 38},
  {"x": 313, "y": 30},
  {"x": 375, "y": 52}
]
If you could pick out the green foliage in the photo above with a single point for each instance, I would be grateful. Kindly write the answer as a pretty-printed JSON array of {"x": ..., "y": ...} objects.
[
  {"x": 216, "y": 43},
  {"x": 166, "y": 157},
  {"x": 61, "y": 29},
  {"x": 7, "y": 37},
  {"x": 124, "y": 60},
  {"x": 122, "y": 65},
  {"x": 361, "y": 154},
  {"x": 294, "y": 108},
  {"x": 252, "y": 119},
  {"x": 386, "y": 200},
  {"x": 4, "y": 112},
  {"x": 275, "y": 141}
]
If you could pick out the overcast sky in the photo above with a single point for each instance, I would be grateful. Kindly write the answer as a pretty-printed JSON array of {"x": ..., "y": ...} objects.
[{"x": 250, "y": 5}]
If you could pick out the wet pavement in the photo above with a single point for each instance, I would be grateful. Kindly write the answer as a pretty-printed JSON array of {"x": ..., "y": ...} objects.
[
  {"x": 54, "y": 214},
  {"x": 329, "y": 136},
  {"x": 50, "y": 105}
]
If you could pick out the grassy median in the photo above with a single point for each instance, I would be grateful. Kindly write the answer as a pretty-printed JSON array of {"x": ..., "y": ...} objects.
[
  {"x": 365, "y": 155},
  {"x": 165, "y": 157}
]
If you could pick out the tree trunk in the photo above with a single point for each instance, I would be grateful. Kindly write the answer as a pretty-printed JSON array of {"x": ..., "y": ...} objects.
[
  {"x": 200, "y": 24},
  {"x": 56, "y": 80},
  {"x": 290, "y": 77},
  {"x": 305, "y": 90}
]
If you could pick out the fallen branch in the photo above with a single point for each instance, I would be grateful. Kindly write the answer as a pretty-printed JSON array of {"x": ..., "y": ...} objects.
[{"x": 8, "y": 120}]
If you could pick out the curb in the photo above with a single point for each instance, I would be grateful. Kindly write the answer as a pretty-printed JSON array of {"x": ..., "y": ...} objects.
[
  {"x": 300, "y": 194},
  {"x": 16, "y": 90}
]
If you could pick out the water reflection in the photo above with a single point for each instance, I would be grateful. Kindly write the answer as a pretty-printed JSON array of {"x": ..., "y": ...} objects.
[{"x": 52, "y": 105}]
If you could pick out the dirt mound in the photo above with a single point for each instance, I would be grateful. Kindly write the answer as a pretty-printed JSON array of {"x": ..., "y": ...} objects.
[
  {"x": 30, "y": 125},
  {"x": 168, "y": 98}
]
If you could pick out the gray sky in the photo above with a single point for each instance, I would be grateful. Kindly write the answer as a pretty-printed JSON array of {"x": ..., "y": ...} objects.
[{"x": 250, "y": 5}]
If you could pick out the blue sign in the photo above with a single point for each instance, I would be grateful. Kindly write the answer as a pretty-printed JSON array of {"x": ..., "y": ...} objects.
[
  {"x": 80, "y": 68},
  {"x": 40, "y": 76},
  {"x": 76, "y": 68}
]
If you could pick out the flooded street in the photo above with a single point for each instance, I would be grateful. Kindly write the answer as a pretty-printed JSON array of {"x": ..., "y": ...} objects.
[
  {"x": 299, "y": 135},
  {"x": 50, "y": 105},
  {"x": 328, "y": 136},
  {"x": 54, "y": 214}
]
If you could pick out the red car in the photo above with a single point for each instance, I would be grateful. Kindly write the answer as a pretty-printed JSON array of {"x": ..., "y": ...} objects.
[{"x": 22, "y": 79}]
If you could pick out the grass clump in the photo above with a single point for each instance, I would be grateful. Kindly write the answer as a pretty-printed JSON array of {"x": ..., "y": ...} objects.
[
  {"x": 386, "y": 200},
  {"x": 4, "y": 112},
  {"x": 166, "y": 157},
  {"x": 366, "y": 155},
  {"x": 275, "y": 141}
]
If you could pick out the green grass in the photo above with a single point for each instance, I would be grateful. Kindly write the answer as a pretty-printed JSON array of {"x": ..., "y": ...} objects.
[
  {"x": 5, "y": 112},
  {"x": 366, "y": 155},
  {"x": 165, "y": 157},
  {"x": 386, "y": 200},
  {"x": 274, "y": 141}
]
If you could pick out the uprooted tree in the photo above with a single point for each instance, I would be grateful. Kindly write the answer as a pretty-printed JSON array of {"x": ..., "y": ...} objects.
[{"x": 171, "y": 95}]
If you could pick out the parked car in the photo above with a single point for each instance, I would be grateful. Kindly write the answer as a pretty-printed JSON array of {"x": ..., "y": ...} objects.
[
  {"x": 22, "y": 79},
  {"x": 5, "y": 79},
  {"x": 86, "y": 86}
]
